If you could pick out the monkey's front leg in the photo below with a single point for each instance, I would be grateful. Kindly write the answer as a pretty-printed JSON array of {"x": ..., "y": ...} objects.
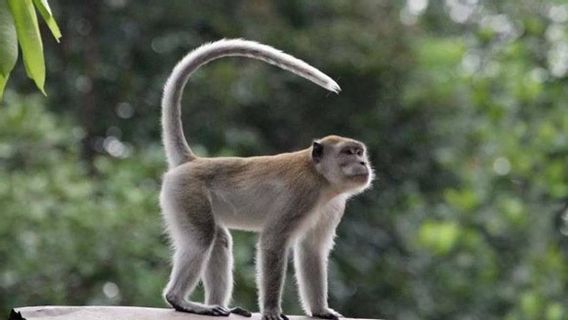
[
  {"x": 310, "y": 261},
  {"x": 271, "y": 264}
]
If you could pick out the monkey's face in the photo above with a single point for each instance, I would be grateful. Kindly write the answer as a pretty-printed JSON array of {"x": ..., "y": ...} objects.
[{"x": 344, "y": 163}]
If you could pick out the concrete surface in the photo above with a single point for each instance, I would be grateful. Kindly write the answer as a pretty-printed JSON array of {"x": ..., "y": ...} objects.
[{"x": 122, "y": 313}]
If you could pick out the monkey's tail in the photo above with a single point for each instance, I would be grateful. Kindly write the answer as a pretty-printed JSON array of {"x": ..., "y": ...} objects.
[{"x": 177, "y": 149}]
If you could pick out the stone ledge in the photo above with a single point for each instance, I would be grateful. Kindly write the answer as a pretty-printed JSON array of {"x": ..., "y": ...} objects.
[{"x": 122, "y": 313}]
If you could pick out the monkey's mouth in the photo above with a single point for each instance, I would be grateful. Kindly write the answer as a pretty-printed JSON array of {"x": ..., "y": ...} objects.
[{"x": 360, "y": 176}]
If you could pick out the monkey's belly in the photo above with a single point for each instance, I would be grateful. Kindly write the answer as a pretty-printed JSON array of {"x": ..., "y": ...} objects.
[{"x": 240, "y": 212}]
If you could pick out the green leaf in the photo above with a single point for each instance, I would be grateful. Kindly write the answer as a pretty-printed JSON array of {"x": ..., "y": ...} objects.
[
  {"x": 29, "y": 38},
  {"x": 8, "y": 41},
  {"x": 3, "y": 80},
  {"x": 45, "y": 12}
]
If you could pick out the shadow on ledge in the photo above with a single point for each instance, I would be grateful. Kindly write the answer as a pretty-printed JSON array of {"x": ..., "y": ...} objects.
[{"x": 118, "y": 313}]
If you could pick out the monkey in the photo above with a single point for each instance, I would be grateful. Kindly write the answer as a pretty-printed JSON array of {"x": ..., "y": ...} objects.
[{"x": 293, "y": 200}]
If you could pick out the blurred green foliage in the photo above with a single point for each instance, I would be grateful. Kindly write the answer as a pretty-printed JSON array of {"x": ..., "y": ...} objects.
[
  {"x": 63, "y": 232},
  {"x": 462, "y": 104}
]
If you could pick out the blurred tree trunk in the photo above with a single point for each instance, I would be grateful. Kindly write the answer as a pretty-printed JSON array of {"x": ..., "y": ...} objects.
[{"x": 91, "y": 10}]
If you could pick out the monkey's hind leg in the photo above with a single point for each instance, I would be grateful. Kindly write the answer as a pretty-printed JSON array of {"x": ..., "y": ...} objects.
[
  {"x": 192, "y": 227},
  {"x": 218, "y": 274}
]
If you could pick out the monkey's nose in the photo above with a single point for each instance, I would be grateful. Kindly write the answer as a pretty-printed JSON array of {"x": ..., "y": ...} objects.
[{"x": 362, "y": 163}]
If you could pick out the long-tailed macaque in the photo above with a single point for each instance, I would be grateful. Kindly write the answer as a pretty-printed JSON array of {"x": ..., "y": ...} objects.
[{"x": 293, "y": 200}]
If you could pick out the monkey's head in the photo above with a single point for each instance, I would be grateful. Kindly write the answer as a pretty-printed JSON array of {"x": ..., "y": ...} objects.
[{"x": 343, "y": 162}]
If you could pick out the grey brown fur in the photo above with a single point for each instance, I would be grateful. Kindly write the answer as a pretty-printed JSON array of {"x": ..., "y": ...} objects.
[{"x": 293, "y": 200}]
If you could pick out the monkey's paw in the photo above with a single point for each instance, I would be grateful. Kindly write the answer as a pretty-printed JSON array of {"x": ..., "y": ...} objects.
[
  {"x": 327, "y": 314},
  {"x": 273, "y": 315},
  {"x": 213, "y": 310},
  {"x": 241, "y": 312}
]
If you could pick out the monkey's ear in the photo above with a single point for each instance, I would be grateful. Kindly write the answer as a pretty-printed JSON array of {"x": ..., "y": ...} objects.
[{"x": 317, "y": 151}]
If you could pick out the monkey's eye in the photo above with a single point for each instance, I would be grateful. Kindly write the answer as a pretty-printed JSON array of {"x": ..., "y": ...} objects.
[
  {"x": 359, "y": 152},
  {"x": 348, "y": 151}
]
